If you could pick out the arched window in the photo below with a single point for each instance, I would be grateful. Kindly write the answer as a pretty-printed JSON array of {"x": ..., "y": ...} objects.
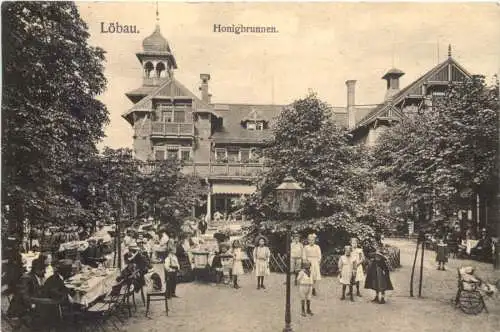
[
  {"x": 160, "y": 69},
  {"x": 148, "y": 68}
]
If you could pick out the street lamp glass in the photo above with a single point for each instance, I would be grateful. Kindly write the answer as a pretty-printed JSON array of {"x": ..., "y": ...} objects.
[{"x": 289, "y": 195}]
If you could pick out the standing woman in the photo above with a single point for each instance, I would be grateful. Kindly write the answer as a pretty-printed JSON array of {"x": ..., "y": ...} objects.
[
  {"x": 237, "y": 268},
  {"x": 377, "y": 277},
  {"x": 359, "y": 258},
  {"x": 261, "y": 256},
  {"x": 312, "y": 254}
]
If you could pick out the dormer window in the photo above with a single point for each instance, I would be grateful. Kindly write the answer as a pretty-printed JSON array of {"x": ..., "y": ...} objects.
[
  {"x": 253, "y": 121},
  {"x": 255, "y": 125}
]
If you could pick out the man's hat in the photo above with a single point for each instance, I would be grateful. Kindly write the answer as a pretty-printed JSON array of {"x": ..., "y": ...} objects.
[{"x": 38, "y": 263}]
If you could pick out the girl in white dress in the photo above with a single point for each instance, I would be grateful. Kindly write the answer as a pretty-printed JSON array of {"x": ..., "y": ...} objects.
[
  {"x": 359, "y": 257},
  {"x": 237, "y": 267},
  {"x": 312, "y": 254},
  {"x": 261, "y": 256},
  {"x": 347, "y": 268}
]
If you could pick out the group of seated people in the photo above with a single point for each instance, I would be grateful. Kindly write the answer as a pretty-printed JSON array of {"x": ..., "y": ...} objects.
[
  {"x": 38, "y": 297},
  {"x": 482, "y": 251}
]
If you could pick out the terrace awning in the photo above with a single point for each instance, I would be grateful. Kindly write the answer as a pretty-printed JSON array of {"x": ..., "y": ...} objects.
[{"x": 239, "y": 189}]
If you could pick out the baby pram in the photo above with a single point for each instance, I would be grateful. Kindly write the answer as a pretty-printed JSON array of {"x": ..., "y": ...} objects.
[{"x": 469, "y": 296}]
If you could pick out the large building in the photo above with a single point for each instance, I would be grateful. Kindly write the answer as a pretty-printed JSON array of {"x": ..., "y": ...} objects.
[{"x": 219, "y": 142}]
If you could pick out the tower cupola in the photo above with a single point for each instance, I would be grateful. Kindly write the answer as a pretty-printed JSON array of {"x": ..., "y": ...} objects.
[
  {"x": 157, "y": 60},
  {"x": 156, "y": 43}
]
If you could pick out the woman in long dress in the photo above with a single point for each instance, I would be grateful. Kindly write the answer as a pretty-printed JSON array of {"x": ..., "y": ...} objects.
[
  {"x": 359, "y": 257},
  {"x": 377, "y": 277},
  {"x": 237, "y": 267},
  {"x": 261, "y": 256},
  {"x": 312, "y": 254}
]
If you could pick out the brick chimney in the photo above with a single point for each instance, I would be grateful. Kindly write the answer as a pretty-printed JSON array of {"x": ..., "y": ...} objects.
[
  {"x": 205, "y": 96},
  {"x": 351, "y": 112}
]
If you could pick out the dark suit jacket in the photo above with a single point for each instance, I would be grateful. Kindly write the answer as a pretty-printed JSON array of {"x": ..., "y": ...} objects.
[
  {"x": 55, "y": 289},
  {"x": 27, "y": 289},
  {"x": 91, "y": 256}
]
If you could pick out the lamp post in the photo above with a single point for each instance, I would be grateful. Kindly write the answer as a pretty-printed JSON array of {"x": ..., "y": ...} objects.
[
  {"x": 289, "y": 194},
  {"x": 92, "y": 191}
]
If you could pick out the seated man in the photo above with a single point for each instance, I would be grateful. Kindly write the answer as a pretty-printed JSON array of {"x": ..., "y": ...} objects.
[
  {"x": 141, "y": 265},
  {"x": 93, "y": 255},
  {"x": 54, "y": 287},
  {"x": 483, "y": 249},
  {"x": 29, "y": 288}
]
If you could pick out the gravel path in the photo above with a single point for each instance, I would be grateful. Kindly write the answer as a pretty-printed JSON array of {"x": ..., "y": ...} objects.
[{"x": 217, "y": 308}]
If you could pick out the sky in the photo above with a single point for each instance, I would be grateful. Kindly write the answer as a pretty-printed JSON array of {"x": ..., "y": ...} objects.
[{"x": 318, "y": 47}]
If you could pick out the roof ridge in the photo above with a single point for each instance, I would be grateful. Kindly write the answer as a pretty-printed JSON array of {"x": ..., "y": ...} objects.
[
  {"x": 147, "y": 98},
  {"x": 423, "y": 77},
  {"x": 247, "y": 104},
  {"x": 191, "y": 94}
]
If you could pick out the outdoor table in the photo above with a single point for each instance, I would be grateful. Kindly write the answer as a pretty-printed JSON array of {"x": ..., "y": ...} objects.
[
  {"x": 200, "y": 259},
  {"x": 469, "y": 244},
  {"x": 91, "y": 285},
  {"x": 79, "y": 245}
]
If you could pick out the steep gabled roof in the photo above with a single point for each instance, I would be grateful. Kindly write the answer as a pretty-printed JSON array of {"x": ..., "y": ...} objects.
[
  {"x": 438, "y": 73},
  {"x": 171, "y": 88}
]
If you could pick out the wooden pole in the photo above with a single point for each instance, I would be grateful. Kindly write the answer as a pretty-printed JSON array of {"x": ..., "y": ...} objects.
[
  {"x": 288, "y": 316},
  {"x": 496, "y": 210},
  {"x": 118, "y": 235},
  {"x": 413, "y": 268},
  {"x": 421, "y": 270}
]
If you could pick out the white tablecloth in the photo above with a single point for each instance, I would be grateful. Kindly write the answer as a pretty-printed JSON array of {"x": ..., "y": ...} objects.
[
  {"x": 79, "y": 245},
  {"x": 96, "y": 287}
]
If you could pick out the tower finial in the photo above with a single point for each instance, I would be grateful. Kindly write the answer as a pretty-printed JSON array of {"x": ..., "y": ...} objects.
[
  {"x": 449, "y": 51},
  {"x": 157, "y": 14}
]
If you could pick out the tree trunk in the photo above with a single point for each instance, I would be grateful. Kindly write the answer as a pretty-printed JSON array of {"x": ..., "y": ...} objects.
[
  {"x": 413, "y": 269},
  {"x": 421, "y": 270}
]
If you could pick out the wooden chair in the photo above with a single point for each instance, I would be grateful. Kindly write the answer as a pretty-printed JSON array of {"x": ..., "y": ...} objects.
[
  {"x": 160, "y": 295},
  {"x": 103, "y": 312}
]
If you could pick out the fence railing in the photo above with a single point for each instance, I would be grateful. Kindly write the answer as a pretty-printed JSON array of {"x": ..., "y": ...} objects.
[
  {"x": 329, "y": 263},
  {"x": 215, "y": 169},
  {"x": 172, "y": 129}
]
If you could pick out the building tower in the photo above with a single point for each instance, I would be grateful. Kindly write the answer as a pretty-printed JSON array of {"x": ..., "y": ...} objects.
[{"x": 157, "y": 60}]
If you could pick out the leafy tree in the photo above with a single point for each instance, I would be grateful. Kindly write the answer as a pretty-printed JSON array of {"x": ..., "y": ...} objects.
[
  {"x": 169, "y": 195},
  {"x": 51, "y": 118},
  {"x": 309, "y": 146},
  {"x": 443, "y": 156}
]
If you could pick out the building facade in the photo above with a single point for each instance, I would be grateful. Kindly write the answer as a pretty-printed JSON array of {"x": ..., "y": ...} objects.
[{"x": 220, "y": 142}]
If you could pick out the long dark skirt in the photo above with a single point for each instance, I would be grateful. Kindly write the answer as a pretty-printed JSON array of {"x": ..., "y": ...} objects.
[{"x": 377, "y": 278}]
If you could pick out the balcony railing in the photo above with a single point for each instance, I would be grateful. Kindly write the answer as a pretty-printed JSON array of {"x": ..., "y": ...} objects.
[
  {"x": 172, "y": 129},
  {"x": 216, "y": 169}
]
